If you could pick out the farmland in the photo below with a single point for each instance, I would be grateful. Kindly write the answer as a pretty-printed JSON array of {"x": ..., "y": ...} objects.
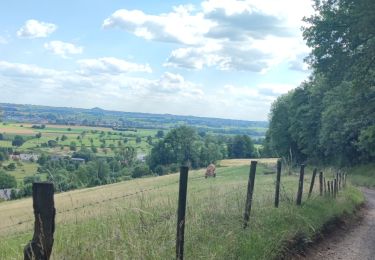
[
  {"x": 136, "y": 219},
  {"x": 103, "y": 141}
]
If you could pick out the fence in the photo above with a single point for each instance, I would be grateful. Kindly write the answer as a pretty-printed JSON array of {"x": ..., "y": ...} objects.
[{"x": 40, "y": 246}]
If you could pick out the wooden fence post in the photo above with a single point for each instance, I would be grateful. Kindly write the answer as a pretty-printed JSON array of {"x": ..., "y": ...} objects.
[
  {"x": 312, "y": 182},
  {"x": 336, "y": 187},
  {"x": 332, "y": 189},
  {"x": 250, "y": 191},
  {"x": 40, "y": 247},
  {"x": 184, "y": 170},
  {"x": 277, "y": 190},
  {"x": 300, "y": 185},
  {"x": 329, "y": 188},
  {"x": 325, "y": 185},
  {"x": 321, "y": 183}
]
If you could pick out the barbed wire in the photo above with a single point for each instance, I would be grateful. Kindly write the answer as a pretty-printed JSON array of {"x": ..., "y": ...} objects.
[{"x": 285, "y": 195}]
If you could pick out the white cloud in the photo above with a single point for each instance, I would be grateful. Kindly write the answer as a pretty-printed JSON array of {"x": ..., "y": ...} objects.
[
  {"x": 24, "y": 83},
  {"x": 36, "y": 29},
  {"x": 177, "y": 26},
  {"x": 63, "y": 49},
  {"x": 111, "y": 65},
  {"x": 251, "y": 35},
  {"x": 168, "y": 93}
]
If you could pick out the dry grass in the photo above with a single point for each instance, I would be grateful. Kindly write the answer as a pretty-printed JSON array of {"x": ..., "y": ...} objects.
[
  {"x": 238, "y": 162},
  {"x": 143, "y": 225}
]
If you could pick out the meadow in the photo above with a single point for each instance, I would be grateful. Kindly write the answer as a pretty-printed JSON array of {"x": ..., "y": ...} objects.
[
  {"x": 104, "y": 140},
  {"x": 136, "y": 219}
]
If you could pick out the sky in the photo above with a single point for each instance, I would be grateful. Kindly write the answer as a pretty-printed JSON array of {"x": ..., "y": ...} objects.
[{"x": 212, "y": 58}]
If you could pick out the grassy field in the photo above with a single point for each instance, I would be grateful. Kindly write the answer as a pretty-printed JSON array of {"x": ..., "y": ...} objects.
[
  {"x": 88, "y": 136},
  {"x": 137, "y": 219},
  {"x": 363, "y": 175}
]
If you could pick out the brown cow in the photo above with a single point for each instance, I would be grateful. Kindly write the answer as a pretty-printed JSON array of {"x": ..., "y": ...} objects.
[{"x": 210, "y": 171}]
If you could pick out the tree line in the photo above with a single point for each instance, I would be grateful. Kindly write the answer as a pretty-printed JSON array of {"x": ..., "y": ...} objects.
[
  {"x": 180, "y": 146},
  {"x": 330, "y": 118}
]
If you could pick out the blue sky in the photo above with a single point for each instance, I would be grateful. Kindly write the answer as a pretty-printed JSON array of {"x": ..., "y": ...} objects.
[{"x": 217, "y": 58}]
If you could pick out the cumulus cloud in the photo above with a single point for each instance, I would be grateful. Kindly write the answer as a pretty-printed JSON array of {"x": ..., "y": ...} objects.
[
  {"x": 178, "y": 26},
  {"x": 251, "y": 35},
  {"x": 36, "y": 29},
  {"x": 167, "y": 93},
  {"x": 27, "y": 83},
  {"x": 111, "y": 65},
  {"x": 63, "y": 49}
]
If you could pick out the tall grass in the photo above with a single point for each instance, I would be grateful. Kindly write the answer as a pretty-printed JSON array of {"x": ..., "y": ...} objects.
[
  {"x": 143, "y": 226},
  {"x": 363, "y": 175}
]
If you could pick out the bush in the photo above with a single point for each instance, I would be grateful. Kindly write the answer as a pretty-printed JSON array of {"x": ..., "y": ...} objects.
[
  {"x": 7, "y": 181},
  {"x": 52, "y": 143},
  {"x": 161, "y": 170},
  {"x": 10, "y": 167},
  {"x": 140, "y": 170},
  {"x": 31, "y": 179},
  {"x": 174, "y": 168},
  {"x": 18, "y": 140}
]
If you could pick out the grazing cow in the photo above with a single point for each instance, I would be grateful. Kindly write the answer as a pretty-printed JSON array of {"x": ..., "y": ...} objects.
[{"x": 210, "y": 171}]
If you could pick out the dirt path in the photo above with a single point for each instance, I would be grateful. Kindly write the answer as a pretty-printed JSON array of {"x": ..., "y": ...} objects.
[{"x": 355, "y": 242}]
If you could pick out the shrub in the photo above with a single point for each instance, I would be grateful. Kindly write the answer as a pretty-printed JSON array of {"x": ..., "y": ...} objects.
[
  {"x": 7, "y": 181},
  {"x": 141, "y": 170}
]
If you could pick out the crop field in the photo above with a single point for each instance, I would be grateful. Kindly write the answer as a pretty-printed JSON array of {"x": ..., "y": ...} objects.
[
  {"x": 102, "y": 138},
  {"x": 137, "y": 219}
]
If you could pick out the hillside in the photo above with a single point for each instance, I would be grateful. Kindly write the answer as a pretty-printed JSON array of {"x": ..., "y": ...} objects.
[
  {"x": 137, "y": 219},
  {"x": 118, "y": 119}
]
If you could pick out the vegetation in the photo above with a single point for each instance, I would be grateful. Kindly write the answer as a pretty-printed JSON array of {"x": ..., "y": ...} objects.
[
  {"x": 363, "y": 175},
  {"x": 126, "y": 121},
  {"x": 137, "y": 219},
  {"x": 7, "y": 181},
  {"x": 184, "y": 146},
  {"x": 330, "y": 118}
]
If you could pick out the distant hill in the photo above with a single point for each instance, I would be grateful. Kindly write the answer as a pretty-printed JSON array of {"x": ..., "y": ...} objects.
[{"x": 117, "y": 119}]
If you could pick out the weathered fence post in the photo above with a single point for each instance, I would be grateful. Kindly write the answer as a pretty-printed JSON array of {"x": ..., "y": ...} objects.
[
  {"x": 344, "y": 185},
  {"x": 321, "y": 183},
  {"x": 336, "y": 187},
  {"x": 184, "y": 170},
  {"x": 312, "y": 182},
  {"x": 329, "y": 188},
  {"x": 300, "y": 185},
  {"x": 325, "y": 185},
  {"x": 40, "y": 247},
  {"x": 277, "y": 190},
  {"x": 332, "y": 189},
  {"x": 250, "y": 191}
]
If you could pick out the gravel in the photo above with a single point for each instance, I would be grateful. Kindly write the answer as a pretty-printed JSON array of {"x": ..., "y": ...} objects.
[{"x": 356, "y": 242}]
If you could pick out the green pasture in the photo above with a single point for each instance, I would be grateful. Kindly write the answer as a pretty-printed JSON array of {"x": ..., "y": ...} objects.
[{"x": 137, "y": 219}]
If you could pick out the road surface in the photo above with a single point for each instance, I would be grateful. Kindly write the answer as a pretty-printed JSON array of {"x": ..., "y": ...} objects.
[{"x": 356, "y": 242}]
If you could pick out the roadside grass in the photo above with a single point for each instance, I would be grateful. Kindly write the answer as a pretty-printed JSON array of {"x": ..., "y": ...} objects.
[
  {"x": 363, "y": 175},
  {"x": 100, "y": 223}
]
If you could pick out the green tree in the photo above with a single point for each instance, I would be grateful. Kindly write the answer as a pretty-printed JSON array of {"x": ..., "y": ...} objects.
[
  {"x": 18, "y": 140},
  {"x": 180, "y": 145},
  {"x": 73, "y": 146},
  {"x": 7, "y": 181},
  {"x": 241, "y": 146}
]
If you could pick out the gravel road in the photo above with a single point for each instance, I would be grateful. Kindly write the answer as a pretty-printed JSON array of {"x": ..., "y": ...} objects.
[{"x": 356, "y": 242}]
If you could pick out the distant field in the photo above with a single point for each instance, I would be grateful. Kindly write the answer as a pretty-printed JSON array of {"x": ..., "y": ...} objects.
[
  {"x": 137, "y": 219},
  {"x": 85, "y": 134},
  {"x": 237, "y": 162}
]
